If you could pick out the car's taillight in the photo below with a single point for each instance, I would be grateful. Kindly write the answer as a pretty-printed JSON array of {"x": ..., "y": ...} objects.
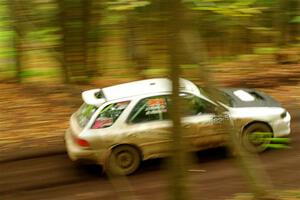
[{"x": 82, "y": 142}]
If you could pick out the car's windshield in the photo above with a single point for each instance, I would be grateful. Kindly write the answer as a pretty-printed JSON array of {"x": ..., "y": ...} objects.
[
  {"x": 222, "y": 96},
  {"x": 85, "y": 113}
]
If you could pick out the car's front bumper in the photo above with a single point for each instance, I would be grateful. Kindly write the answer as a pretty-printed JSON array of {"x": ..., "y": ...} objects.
[{"x": 282, "y": 127}]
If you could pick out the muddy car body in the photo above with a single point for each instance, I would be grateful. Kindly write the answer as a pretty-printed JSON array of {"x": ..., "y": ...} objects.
[{"x": 119, "y": 126}]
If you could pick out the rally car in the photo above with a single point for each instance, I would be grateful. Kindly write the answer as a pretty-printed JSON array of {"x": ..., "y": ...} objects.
[{"x": 122, "y": 125}]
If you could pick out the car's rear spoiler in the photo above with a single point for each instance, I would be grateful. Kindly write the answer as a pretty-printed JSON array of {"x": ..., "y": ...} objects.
[{"x": 92, "y": 97}]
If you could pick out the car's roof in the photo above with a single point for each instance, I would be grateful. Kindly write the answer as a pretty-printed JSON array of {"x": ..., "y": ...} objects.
[{"x": 148, "y": 86}]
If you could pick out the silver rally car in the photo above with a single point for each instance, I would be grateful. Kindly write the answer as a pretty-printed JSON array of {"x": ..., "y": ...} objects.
[{"x": 119, "y": 126}]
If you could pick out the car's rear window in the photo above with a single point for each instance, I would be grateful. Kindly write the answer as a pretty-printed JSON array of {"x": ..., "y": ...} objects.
[
  {"x": 85, "y": 113},
  {"x": 110, "y": 114}
]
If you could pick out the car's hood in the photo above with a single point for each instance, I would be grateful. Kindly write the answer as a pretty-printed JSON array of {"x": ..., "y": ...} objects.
[{"x": 244, "y": 97}]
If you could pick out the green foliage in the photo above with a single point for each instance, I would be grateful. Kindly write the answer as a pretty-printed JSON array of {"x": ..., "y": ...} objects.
[
  {"x": 5, "y": 35},
  {"x": 231, "y": 8},
  {"x": 111, "y": 19},
  {"x": 277, "y": 146},
  {"x": 296, "y": 19},
  {"x": 265, "y": 50},
  {"x": 228, "y": 28},
  {"x": 276, "y": 143},
  {"x": 281, "y": 194},
  {"x": 189, "y": 66},
  {"x": 34, "y": 72},
  {"x": 44, "y": 35},
  {"x": 123, "y": 5}
]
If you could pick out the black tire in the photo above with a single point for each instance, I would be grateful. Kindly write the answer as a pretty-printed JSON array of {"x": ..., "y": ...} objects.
[
  {"x": 256, "y": 145},
  {"x": 123, "y": 160}
]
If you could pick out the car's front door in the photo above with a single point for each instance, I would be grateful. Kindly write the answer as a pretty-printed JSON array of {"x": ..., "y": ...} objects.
[{"x": 200, "y": 127}]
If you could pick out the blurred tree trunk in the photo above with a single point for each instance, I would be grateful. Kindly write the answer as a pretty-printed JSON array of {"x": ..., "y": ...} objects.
[
  {"x": 16, "y": 16},
  {"x": 177, "y": 165},
  {"x": 62, "y": 21},
  {"x": 75, "y": 26},
  {"x": 86, "y": 6},
  {"x": 283, "y": 18},
  {"x": 91, "y": 35},
  {"x": 135, "y": 44},
  {"x": 294, "y": 27},
  {"x": 249, "y": 163}
]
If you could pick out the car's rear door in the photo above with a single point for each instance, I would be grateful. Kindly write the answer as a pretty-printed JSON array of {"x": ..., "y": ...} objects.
[{"x": 149, "y": 126}]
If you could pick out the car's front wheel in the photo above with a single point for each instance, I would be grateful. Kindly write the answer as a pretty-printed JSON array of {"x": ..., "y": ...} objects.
[
  {"x": 122, "y": 160},
  {"x": 256, "y": 137}
]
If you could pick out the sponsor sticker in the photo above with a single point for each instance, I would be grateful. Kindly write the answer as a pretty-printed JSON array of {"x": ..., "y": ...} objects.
[{"x": 156, "y": 106}]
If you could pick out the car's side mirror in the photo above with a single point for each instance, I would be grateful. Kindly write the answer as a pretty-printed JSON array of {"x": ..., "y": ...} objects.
[
  {"x": 211, "y": 109},
  {"x": 215, "y": 109}
]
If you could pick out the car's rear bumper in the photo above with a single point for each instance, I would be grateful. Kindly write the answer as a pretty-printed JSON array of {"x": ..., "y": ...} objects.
[{"x": 77, "y": 153}]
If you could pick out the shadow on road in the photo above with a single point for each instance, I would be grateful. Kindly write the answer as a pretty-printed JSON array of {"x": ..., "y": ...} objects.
[{"x": 159, "y": 164}]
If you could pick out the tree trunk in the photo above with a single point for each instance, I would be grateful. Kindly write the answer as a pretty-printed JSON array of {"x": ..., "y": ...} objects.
[
  {"x": 178, "y": 191},
  {"x": 91, "y": 35},
  {"x": 74, "y": 30},
  {"x": 135, "y": 44},
  {"x": 249, "y": 163},
  {"x": 64, "y": 66},
  {"x": 16, "y": 17}
]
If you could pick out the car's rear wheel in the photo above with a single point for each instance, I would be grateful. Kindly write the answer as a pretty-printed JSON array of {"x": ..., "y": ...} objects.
[
  {"x": 256, "y": 137},
  {"x": 123, "y": 160}
]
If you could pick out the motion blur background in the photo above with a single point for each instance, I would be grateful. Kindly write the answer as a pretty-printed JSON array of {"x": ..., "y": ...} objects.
[
  {"x": 52, "y": 50},
  {"x": 78, "y": 41}
]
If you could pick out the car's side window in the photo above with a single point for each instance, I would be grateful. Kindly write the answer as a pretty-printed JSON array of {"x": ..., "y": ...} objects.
[
  {"x": 193, "y": 105},
  {"x": 149, "y": 109},
  {"x": 109, "y": 115}
]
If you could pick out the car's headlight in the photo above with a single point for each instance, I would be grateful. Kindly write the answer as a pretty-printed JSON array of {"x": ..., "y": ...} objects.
[{"x": 283, "y": 115}]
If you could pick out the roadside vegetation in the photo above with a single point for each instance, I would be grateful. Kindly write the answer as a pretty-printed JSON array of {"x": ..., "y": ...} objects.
[{"x": 52, "y": 50}]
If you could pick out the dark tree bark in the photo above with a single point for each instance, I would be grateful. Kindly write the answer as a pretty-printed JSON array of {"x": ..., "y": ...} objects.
[
  {"x": 75, "y": 22},
  {"x": 177, "y": 165},
  {"x": 250, "y": 164},
  {"x": 15, "y": 14},
  {"x": 91, "y": 35},
  {"x": 136, "y": 45},
  {"x": 62, "y": 19}
]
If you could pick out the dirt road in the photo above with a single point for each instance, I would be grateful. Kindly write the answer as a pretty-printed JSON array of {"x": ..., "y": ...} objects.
[{"x": 213, "y": 176}]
